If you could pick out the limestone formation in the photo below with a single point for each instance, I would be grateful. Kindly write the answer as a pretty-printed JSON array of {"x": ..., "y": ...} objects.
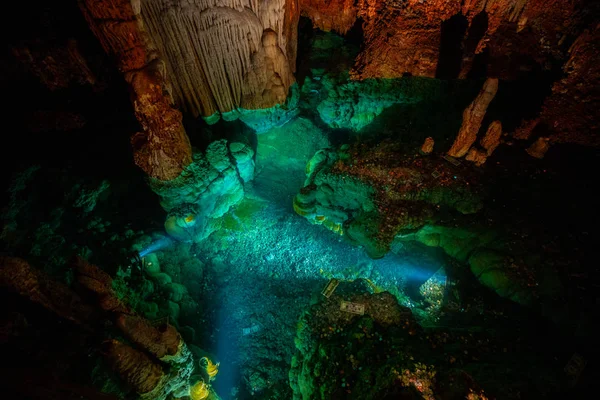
[
  {"x": 206, "y": 190},
  {"x": 162, "y": 149},
  {"x": 405, "y": 36},
  {"x": 539, "y": 148},
  {"x": 427, "y": 147},
  {"x": 336, "y": 15},
  {"x": 223, "y": 55},
  {"x": 511, "y": 271},
  {"x": 134, "y": 367},
  {"x": 370, "y": 197},
  {"x": 160, "y": 343},
  {"x": 17, "y": 276},
  {"x": 571, "y": 111},
  {"x": 472, "y": 118},
  {"x": 477, "y": 156},
  {"x": 491, "y": 140},
  {"x": 99, "y": 283}
]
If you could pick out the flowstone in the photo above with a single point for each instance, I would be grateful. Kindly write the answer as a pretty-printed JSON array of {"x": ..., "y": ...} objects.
[
  {"x": 206, "y": 190},
  {"x": 513, "y": 270},
  {"x": 355, "y": 104},
  {"x": 371, "y": 195}
]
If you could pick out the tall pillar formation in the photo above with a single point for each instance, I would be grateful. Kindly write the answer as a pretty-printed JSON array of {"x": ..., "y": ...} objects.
[
  {"x": 206, "y": 57},
  {"x": 222, "y": 55},
  {"x": 162, "y": 149}
]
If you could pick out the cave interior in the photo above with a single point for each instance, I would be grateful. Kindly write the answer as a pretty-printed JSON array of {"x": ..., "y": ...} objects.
[{"x": 300, "y": 199}]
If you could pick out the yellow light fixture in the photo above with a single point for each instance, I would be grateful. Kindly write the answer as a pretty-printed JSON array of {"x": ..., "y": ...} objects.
[
  {"x": 199, "y": 391},
  {"x": 211, "y": 369}
]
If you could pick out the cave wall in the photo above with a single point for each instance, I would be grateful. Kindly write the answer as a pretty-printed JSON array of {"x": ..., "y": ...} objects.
[
  {"x": 571, "y": 111},
  {"x": 552, "y": 41},
  {"x": 224, "y": 55},
  {"x": 405, "y": 37}
]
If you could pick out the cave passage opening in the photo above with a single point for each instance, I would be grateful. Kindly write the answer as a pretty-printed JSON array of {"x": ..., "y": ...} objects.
[
  {"x": 475, "y": 35},
  {"x": 452, "y": 34}
]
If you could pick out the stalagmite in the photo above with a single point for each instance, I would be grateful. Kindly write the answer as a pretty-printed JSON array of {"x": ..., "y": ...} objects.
[
  {"x": 539, "y": 148},
  {"x": 223, "y": 55},
  {"x": 472, "y": 118},
  {"x": 427, "y": 146},
  {"x": 477, "y": 156},
  {"x": 491, "y": 140}
]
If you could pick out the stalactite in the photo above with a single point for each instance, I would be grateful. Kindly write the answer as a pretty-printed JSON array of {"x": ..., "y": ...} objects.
[
  {"x": 215, "y": 51},
  {"x": 491, "y": 140}
]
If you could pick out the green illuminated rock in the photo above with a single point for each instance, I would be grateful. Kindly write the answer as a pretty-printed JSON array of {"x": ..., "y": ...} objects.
[
  {"x": 263, "y": 120},
  {"x": 206, "y": 189},
  {"x": 355, "y": 104},
  {"x": 512, "y": 271},
  {"x": 370, "y": 196}
]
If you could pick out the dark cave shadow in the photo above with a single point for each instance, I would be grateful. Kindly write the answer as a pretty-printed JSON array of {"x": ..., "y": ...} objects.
[
  {"x": 356, "y": 36},
  {"x": 477, "y": 30},
  {"x": 451, "y": 48}
]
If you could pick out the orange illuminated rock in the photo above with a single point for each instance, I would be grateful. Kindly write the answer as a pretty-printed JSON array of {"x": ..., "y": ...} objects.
[
  {"x": 427, "y": 147},
  {"x": 472, "y": 117},
  {"x": 524, "y": 130},
  {"x": 162, "y": 149},
  {"x": 491, "y": 140},
  {"x": 16, "y": 275},
  {"x": 405, "y": 37},
  {"x": 539, "y": 148},
  {"x": 333, "y": 15},
  {"x": 99, "y": 283},
  {"x": 115, "y": 25},
  {"x": 571, "y": 111},
  {"x": 477, "y": 156},
  {"x": 161, "y": 342},
  {"x": 133, "y": 366}
]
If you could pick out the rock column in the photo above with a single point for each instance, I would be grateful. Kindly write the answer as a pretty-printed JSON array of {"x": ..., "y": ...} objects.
[{"x": 162, "y": 148}]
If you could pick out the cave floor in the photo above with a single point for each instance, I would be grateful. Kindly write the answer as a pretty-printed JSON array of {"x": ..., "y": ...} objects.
[{"x": 270, "y": 265}]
